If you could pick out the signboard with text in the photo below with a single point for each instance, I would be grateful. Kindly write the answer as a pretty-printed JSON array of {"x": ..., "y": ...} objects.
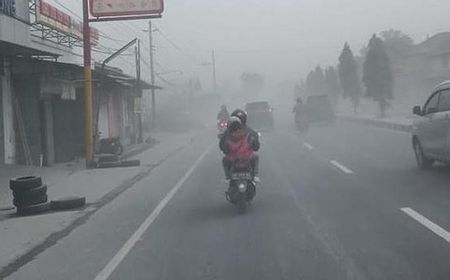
[
  {"x": 105, "y": 8},
  {"x": 54, "y": 18}
]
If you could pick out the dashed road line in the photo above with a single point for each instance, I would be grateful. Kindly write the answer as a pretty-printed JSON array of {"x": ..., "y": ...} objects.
[
  {"x": 309, "y": 146},
  {"x": 438, "y": 230},
  {"x": 341, "y": 167},
  {"x": 106, "y": 272}
]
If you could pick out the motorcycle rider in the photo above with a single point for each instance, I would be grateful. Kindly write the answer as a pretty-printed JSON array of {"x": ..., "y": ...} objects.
[
  {"x": 223, "y": 114},
  {"x": 240, "y": 141},
  {"x": 300, "y": 111},
  {"x": 298, "y": 106}
]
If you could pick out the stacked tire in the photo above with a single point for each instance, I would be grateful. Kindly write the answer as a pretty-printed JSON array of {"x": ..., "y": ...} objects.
[{"x": 30, "y": 195}]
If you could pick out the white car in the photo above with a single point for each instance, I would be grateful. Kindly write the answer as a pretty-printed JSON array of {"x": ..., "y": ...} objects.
[{"x": 431, "y": 129}]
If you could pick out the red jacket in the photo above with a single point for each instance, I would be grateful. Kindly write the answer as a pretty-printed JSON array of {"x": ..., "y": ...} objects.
[{"x": 238, "y": 145}]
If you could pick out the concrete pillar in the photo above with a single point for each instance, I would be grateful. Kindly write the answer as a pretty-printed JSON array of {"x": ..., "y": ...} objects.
[
  {"x": 49, "y": 157},
  {"x": 8, "y": 114}
]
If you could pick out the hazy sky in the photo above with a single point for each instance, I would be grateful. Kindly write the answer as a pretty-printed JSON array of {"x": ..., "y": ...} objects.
[{"x": 282, "y": 39}]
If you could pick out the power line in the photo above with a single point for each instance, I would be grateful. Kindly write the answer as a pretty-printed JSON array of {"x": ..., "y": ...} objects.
[{"x": 174, "y": 45}]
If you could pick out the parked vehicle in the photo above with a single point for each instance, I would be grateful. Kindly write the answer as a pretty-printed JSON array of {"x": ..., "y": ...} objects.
[
  {"x": 319, "y": 109},
  {"x": 110, "y": 145},
  {"x": 431, "y": 128},
  {"x": 242, "y": 188},
  {"x": 259, "y": 115}
]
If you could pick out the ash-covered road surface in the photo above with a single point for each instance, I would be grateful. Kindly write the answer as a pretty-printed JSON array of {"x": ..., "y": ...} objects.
[{"x": 341, "y": 202}]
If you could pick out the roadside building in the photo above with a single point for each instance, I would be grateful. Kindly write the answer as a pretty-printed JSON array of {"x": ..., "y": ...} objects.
[
  {"x": 42, "y": 88},
  {"x": 426, "y": 65}
]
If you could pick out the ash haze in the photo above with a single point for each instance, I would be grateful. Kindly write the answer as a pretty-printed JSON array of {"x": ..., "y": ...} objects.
[{"x": 281, "y": 39}]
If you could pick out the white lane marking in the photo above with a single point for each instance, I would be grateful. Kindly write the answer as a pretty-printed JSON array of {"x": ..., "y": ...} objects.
[
  {"x": 126, "y": 248},
  {"x": 341, "y": 167},
  {"x": 427, "y": 223},
  {"x": 309, "y": 146}
]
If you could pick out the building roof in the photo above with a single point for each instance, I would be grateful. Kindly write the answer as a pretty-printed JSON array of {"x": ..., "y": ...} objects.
[{"x": 435, "y": 45}]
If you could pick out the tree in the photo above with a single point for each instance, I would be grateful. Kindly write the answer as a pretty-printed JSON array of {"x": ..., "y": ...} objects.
[
  {"x": 315, "y": 82},
  {"x": 377, "y": 76},
  {"x": 331, "y": 82},
  {"x": 396, "y": 43},
  {"x": 348, "y": 77}
]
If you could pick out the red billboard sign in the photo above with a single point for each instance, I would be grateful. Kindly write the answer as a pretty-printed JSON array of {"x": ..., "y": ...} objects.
[
  {"x": 106, "y": 8},
  {"x": 56, "y": 19}
]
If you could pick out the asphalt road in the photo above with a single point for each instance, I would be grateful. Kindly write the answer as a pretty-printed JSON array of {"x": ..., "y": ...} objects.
[{"x": 341, "y": 202}]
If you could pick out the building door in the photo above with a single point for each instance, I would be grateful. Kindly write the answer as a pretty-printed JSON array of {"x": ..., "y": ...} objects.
[{"x": 68, "y": 117}]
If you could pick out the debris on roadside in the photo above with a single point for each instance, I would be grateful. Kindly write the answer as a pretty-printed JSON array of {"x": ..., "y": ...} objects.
[
  {"x": 67, "y": 203},
  {"x": 120, "y": 163},
  {"x": 30, "y": 197}
]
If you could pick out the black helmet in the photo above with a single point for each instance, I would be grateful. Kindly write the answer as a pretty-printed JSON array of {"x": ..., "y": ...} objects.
[
  {"x": 241, "y": 115},
  {"x": 234, "y": 124}
]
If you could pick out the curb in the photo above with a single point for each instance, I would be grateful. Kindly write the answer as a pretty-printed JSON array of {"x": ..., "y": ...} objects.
[{"x": 379, "y": 123}]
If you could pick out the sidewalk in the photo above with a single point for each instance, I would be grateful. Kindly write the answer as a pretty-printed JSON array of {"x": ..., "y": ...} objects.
[
  {"x": 21, "y": 234},
  {"x": 393, "y": 122},
  {"x": 52, "y": 175}
]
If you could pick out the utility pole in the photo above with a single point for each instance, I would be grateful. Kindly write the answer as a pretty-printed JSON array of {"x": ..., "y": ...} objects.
[
  {"x": 89, "y": 138},
  {"x": 137, "y": 50},
  {"x": 152, "y": 73},
  {"x": 214, "y": 72}
]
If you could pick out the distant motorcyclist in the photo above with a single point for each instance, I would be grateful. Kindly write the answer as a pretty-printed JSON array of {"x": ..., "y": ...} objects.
[
  {"x": 301, "y": 115},
  {"x": 299, "y": 106},
  {"x": 223, "y": 114},
  {"x": 240, "y": 141}
]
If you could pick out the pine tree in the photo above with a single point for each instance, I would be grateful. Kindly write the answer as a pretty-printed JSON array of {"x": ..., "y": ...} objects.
[
  {"x": 310, "y": 83},
  {"x": 315, "y": 82},
  {"x": 378, "y": 77},
  {"x": 348, "y": 76},
  {"x": 332, "y": 87}
]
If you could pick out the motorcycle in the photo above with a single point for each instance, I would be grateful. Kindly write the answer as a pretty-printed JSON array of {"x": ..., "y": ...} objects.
[
  {"x": 222, "y": 126},
  {"x": 110, "y": 145},
  {"x": 242, "y": 188}
]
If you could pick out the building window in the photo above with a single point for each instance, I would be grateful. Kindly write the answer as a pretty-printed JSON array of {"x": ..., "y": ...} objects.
[{"x": 8, "y": 7}]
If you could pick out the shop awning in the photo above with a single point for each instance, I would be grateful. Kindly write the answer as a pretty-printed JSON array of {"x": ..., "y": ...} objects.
[
  {"x": 9, "y": 49},
  {"x": 117, "y": 76}
]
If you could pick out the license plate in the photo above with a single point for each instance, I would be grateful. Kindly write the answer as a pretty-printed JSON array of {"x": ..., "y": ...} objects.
[{"x": 241, "y": 176}]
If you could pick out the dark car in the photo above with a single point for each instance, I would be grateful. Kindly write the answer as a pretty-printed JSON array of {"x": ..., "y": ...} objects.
[
  {"x": 259, "y": 115},
  {"x": 430, "y": 134},
  {"x": 319, "y": 109}
]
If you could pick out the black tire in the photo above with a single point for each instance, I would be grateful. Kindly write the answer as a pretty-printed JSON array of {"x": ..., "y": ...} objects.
[
  {"x": 242, "y": 204},
  {"x": 67, "y": 203},
  {"x": 21, "y": 184},
  {"x": 251, "y": 192},
  {"x": 109, "y": 164},
  {"x": 30, "y": 193},
  {"x": 423, "y": 162},
  {"x": 130, "y": 163},
  {"x": 108, "y": 158},
  {"x": 33, "y": 209},
  {"x": 28, "y": 201},
  {"x": 125, "y": 163}
]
